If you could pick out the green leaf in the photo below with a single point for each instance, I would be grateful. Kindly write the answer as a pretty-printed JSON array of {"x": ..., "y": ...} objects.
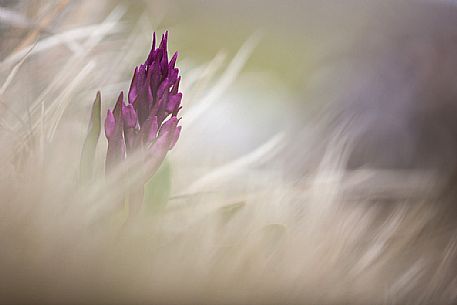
[
  {"x": 157, "y": 189},
  {"x": 90, "y": 143}
]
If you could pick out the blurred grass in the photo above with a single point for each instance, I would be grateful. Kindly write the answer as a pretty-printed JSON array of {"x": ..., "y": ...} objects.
[{"x": 229, "y": 232}]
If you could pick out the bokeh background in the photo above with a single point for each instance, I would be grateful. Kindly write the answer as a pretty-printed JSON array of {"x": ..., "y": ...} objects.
[{"x": 255, "y": 204}]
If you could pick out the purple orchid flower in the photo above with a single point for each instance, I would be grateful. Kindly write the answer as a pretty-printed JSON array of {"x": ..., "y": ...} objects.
[{"x": 149, "y": 120}]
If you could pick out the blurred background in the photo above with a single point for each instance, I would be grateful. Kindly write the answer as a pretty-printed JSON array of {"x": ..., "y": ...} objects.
[{"x": 258, "y": 201}]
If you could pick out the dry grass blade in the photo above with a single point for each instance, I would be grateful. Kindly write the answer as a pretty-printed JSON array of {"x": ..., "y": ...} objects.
[
  {"x": 42, "y": 24},
  {"x": 66, "y": 37},
  {"x": 14, "y": 71}
]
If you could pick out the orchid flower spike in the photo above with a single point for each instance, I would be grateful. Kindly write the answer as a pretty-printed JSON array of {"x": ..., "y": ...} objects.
[{"x": 149, "y": 119}]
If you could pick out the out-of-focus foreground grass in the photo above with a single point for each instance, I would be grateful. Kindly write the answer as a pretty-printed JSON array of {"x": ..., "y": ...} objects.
[{"x": 224, "y": 222}]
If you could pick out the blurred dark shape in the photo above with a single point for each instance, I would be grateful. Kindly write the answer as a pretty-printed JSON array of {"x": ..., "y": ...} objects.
[{"x": 392, "y": 90}]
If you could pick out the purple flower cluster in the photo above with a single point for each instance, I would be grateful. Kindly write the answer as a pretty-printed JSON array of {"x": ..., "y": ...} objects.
[{"x": 149, "y": 120}]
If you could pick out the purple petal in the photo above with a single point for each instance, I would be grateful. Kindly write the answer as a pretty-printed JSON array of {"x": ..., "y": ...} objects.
[
  {"x": 110, "y": 124},
  {"x": 160, "y": 108},
  {"x": 175, "y": 88},
  {"x": 116, "y": 143},
  {"x": 175, "y": 112},
  {"x": 167, "y": 134},
  {"x": 153, "y": 128},
  {"x": 129, "y": 116},
  {"x": 172, "y": 63},
  {"x": 163, "y": 43},
  {"x": 118, "y": 107},
  {"x": 144, "y": 99},
  {"x": 173, "y": 75},
  {"x": 164, "y": 62},
  {"x": 168, "y": 127},
  {"x": 156, "y": 76},
  {"x": 153, "y": 41},
  {"x": 175, "y": 137},
  {"x": 133, "y": 91},
  {"x": 174, "y": 102},
  {"x": 164, "y": 86},
  {"x": 151, "y": 53},
  {"x": 142, "y": 74},
  {"x": 131, "y": 133}
]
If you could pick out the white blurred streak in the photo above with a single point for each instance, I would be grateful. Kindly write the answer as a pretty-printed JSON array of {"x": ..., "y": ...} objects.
[
  {"x": 380, "y": 241},
  {"x": 224, "y": 173},
  {"x": 325, "y": 186},
  {"x": 14, "y": 71},
  {"x": 224, "y": 81},
  {"x": 13, "y": 18},
  {"x": 445, "y": 267},
  {"x": 93, "y": 32},
  {"x": 408, "y": 280},
  {"x": 198, "y": 78}
]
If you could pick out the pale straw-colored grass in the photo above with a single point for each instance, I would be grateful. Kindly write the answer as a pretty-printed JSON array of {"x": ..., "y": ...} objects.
[{"x": 243, "y": 232}]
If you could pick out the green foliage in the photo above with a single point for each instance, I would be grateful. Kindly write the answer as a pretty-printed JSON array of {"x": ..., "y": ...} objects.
[{"x": 90, "y": 143}]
